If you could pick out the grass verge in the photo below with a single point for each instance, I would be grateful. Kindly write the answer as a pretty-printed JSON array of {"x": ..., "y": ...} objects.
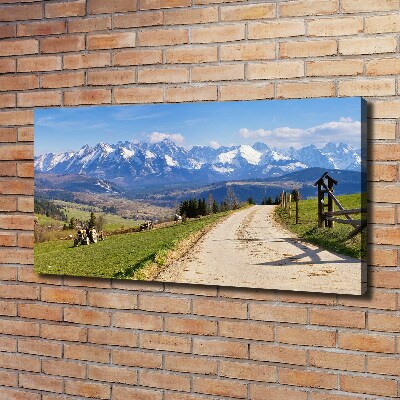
[
  {"x": 333, "y": 239},
  {"x": 122, "y": 256}
]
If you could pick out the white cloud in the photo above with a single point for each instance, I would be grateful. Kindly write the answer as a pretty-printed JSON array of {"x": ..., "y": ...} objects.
[
  {"x": 155, "y": 137},
  {"x": 214, "y": 144},
  {"x": 344, "y": 130}
]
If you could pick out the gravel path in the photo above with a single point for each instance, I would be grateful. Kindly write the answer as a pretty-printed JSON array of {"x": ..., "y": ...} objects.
[{"x": 251, "y": 249}]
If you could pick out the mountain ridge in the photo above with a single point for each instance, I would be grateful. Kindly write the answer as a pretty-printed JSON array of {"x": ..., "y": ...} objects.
[{"x": 126, "y": 163}]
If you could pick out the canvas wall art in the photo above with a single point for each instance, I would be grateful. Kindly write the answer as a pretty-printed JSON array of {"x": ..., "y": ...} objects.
[{"x": 254, "y": 194}]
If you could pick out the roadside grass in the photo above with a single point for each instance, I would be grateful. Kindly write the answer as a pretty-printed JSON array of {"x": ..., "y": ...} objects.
[
  {"x": 333, "y": 239},
  {"x": 122, "y": 256}
]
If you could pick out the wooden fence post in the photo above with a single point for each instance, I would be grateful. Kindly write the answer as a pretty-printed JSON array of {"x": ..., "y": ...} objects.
[
  {"x": 330, "y": 200},
  {"x": 297, "y": 210},
  {"x": 289, "y": 208},
  {"x": 321, "y": 202}
]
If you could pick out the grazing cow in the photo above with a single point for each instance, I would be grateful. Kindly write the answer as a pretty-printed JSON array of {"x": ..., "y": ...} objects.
[
  {"x": 177, "y": 218},
  {"x": 146, "y": 226}
]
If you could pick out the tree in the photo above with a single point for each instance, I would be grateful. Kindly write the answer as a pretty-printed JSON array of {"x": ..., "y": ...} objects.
[
  {"x": 202, "y": 207},
  {"x": 295, "y": 195},
  {"x": 215, "y": 208},
  {"x": 232, "y": 200},
  {"x": 92, "y": 220},
  {"x": 72, "y": 223},
  {"x": 251, "y": 201},
  {"x": 276, "y": 201},
  {"x": 210, "y": 203},
  {"x": 101, "y": 221},
  {"x": 269, "y": 201},
  {"x": 192, "y": 211}
]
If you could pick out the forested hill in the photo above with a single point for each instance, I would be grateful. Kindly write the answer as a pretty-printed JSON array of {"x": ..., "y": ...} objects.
[{"x": 49, "y": 209}]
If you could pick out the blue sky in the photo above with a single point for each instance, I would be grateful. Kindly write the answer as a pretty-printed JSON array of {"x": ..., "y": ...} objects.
[{"x": 280, "y": 123}]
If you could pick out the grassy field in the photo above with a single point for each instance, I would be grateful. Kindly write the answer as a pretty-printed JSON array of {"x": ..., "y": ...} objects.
[
  {"x": 81, "y": 212},
  {"x": 121, "y": 256},
  {"x": 329, "y": 238}
]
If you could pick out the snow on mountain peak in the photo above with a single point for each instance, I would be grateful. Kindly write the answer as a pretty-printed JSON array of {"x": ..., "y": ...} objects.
[{"x": 250, "y": 155}]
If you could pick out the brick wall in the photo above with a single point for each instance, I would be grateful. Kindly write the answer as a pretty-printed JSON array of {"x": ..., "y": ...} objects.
[{"x": 68, "y": 338}]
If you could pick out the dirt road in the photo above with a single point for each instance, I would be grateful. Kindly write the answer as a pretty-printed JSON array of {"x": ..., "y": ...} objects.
[{"x": 251, "y": 249}]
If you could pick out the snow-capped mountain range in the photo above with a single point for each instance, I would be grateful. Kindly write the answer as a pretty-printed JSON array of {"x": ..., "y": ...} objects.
[{"x": 126, "y": 162}]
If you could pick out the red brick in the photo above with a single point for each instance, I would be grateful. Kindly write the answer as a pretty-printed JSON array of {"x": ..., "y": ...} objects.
[
  {"x": 21, "y": 12},
  {"x": 63, "y": 332},
  {"x": 155, "y": 4},
  {"x": 163, "y": 380},
  {"x": 16, "y": 82},
  {"x": 215, "y": 34},
  {"x": 383, "y": 257},
  {"x": 346, "y": 67},
  {"x": 313, "y": 379},
  {"x": 163, "y": 37},
  {"x": 40, "y": 311},
  {"x": 87, "y": 317},
  {"x": 366, "y": 342},
  {"x": 387, "y": 235},
  {"x": 87, "y": 389},
  {"x": 362, "y": 384},
  {"x": 221, "y": 72},
  {"x": 19, "y": 256},
  {"x": 246, "y": 92},
  {"x": 16, "y": 222},
  {"x": 138, "y": 20},
  {"x": 165, "y": 342},
  {"x": 307, "y": 7},
  {"x": 164, "y": 304},
  {"x": 113, "y": 337},
  {"x": 19, "y": 328},
  {"x": 9, "y": 204},
  {"x": 64, "y": 368},
  {"x": 39, "y": 347},
  {"x": 89, "y": 60},
  {"x": 8, "y": 344},
  {"x": 384, "y": 365},
  {"x": 111, "y": 40},
  {"x": 38, "y": 382},
  {"x": 123, "y": 393},
  {"x": 19, "y": 362},
  {"x": 220, "y": 387},
  {"x": 41, "y": 63},
  {"x": 7, "y": 100},
  {"x": 136, "y": 358},
  {"x": 8, "y": 239},
  {"x": 307, "y": 337},
  {"x": 223, "y": 348},
  {"x": 383, "y": 172},
  {"x": 112, "y": 374},
  {"x": 138, "y": 94},
  {"x": 348, "y": 6},
  {"x": 138, "y": 321},
  {"x": 64, "y": 79},
  {"x": 105, "y": 6},
  {"x": 191, "y": 16},
  {"x": 86, "y": 353},
  {"x": 7, "y": 308},
  {"x": 190, "y": 326},
  {"x": 7, "y": 31},
  {"x": 334, "y": 360},
  {"x": 137, "y": 57},
  {"x": 7, "y": 65},
  {"x": 196, "y": 365},
  {"x": 115, "y": 77},
  {"x": 8, "y": 378},
  {"x": 15, "y": 118},
  {"x": 384, "y": 322},
  {"x": 42, "y": 28},
  {"x": 248, "y": 371},
  {"x": 276, "y": 29},
  {"x": 304, "y": 90},
  {"x": 218, "y": 308},
  {"x": 310, "y": 48},
  {"x": 39, "y": 99},
  {"x": 243, "y": 12},
  {"x": 279, "y": 354},
  {"x": 367, "y": 45},
  {"x": 335, "y": 26},
  {"x": 375, "y": 300},
  {"x": 163, "y": 75},
  {"x": 27, "y": 274},
  {"x": 8, "y": 169},
  {"x": 367, "y": 87},
  {"x": 25, "y": 170},
  {"x": 89, "y": 24},
  {"x": 87, "y": 96},
  {"x": 62, "y": 44},
  {"x": 112, "y": 300},
  {"x": 259, "y": 392},
  {"x": 266, "y": 312},
  {"x": 191, "y": 55},
  {"x": 8, "y": 135},
  {"x": 340, "y": 318},
  {"x": 246, "y": 330},
  {"x": 15, "y": 394},
  {"x": 25, "y": 204},
  {"x": 67, "y": 9}
]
